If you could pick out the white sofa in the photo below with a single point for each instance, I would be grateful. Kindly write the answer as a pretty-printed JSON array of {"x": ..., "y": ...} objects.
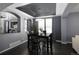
[{"x": 75, "y": 43}]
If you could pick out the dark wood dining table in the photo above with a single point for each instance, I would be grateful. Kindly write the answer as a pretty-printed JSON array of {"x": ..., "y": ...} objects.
[{"x": 48, "y": 39}]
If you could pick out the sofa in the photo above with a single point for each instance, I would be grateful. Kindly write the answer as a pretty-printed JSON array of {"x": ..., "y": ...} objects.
[{"x": 75, "y": 43}]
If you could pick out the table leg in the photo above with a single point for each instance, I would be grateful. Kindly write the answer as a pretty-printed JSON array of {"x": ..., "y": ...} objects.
[{"x": 47, "y": 46}]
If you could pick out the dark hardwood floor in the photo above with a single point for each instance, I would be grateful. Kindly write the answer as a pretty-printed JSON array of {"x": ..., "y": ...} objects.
[{"x": 58, "y": 49}]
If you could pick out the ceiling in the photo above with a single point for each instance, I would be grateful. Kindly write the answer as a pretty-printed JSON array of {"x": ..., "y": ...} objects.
[
  {"x": 4, "y": 5},
  {"x": 39, "y": 9},
  {"x": 71, "y": 8}
]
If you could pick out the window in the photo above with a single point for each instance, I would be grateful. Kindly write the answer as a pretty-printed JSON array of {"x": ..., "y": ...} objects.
[
  {"x": 42, "y": 25},
  {"x": 49, "y": 25}
]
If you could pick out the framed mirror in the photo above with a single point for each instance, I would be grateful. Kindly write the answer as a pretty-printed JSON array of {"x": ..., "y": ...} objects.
[{"x": 9, "y": 22}]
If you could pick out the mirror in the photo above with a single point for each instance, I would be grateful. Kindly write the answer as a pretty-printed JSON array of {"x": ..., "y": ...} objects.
[{"x": 9, "y": 22}]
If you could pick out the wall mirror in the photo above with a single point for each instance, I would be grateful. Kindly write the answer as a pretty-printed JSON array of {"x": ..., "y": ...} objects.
[{"x": 9, "y": 22}]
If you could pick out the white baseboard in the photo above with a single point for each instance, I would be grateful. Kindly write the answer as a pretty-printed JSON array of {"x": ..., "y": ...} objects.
[
  {"x": 13, "y": 44},
  {"x": 63, "y": 42},
  {"x": 13, "y": 47}
]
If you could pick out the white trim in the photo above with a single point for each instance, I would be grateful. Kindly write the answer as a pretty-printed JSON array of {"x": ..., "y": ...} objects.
[
  {"x": 63, "y": 42},
  {"x": 46, "y": 16},
  {"x": 12, "y": 8},
  {"x": 12, "y": 47}
]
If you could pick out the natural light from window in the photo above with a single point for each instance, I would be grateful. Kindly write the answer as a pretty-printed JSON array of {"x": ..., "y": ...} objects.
[{"x": 48, "y": 25}]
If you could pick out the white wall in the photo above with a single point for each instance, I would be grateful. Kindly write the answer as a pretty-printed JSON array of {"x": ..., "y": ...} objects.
[
  {"x": 7, "y": 39},
  {"x": 60, "y": 8}
]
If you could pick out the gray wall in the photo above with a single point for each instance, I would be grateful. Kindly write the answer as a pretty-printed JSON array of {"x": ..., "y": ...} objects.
[
  {"x": 64, "y": 29},
  {"x": 73, "y": 25},
  {"x": 70, "y": 27},
  {"x": 56, "y": 27}
]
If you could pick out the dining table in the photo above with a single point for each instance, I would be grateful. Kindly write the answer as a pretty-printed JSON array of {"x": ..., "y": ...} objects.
[{"x": 46, "y": 38}]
